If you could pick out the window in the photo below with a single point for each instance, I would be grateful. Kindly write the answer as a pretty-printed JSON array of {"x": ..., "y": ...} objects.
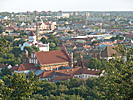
[
  {"x": 50, "y": 67},
  {"x": 29, "y": 60},
  {"x": 56, "y": 68},
  {"x": 32, "y": 55},
  {"x": 36, "y": 61}
]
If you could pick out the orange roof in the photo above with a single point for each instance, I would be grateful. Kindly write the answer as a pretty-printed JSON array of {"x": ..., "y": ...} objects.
[
  {"x": 62, "y": 78},
  {"x": 23, "y": 67},
  {"x": 87, "y": 46},
  {"x": 46, "y": 74},
  {"x": 68, "y": 72},
  {"x": 108, "y": 43},
  {"x": 52, "y": 57},
  {"x": 97, "y": 44}
]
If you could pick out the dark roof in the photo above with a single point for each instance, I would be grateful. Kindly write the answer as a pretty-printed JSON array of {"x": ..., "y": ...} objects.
[
  {"x": 31, "y": 33},
  {"x": 52, "y": 57},
  {"x": 23, "y": 67},
  {"x": 3, "y": 66},
  {"x": 109, "y": 51}
]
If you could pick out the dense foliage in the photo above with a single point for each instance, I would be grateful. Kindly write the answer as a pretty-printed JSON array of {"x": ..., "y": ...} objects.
[
  {"x": 116, "y": 84},
  {"x": 94, "y": 63},
  {"x": 10, "y": 52},
  {"x": 54, "y": 42}
]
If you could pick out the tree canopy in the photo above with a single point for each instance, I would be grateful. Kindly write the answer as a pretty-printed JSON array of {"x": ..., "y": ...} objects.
[
  {"x": 118, "y": 80},
  {"x": 94, "y": 63}
]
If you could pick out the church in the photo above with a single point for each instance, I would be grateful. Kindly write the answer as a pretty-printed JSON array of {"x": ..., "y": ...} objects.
[{"x": 32, "y": 41}]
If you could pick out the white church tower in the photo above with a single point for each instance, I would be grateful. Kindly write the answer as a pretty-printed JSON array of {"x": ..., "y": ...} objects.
[{"x": 32, "y": 37}]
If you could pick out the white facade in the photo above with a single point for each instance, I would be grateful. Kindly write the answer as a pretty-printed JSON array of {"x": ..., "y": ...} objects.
[
  {"x": 32, "y": 41},
  {"x": 85, "y": 76},
  {"x": 26, "y": 71},
  {"x": 25, "y": 44},
  {"x": 63, "y": 28}
]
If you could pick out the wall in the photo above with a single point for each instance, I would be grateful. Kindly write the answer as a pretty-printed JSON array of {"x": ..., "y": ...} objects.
[{"x": 53, "y": 66}]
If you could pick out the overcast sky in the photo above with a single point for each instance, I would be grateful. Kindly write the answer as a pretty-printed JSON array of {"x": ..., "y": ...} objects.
[{"x": 65, "y": 5}]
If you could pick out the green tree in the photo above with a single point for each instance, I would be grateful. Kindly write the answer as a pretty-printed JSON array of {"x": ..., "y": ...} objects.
[
  {"x": 52, "y": 45},
  {"x": 17, "y": 42},
  {"x": 94, "y": 63},
  {"x": 44, "y": 40},
  {"x": 70, "y": 32},
  {"x": 47, "y": 88},
  {"x": 5, "y": 71},
  {"x": 16, "y": 51},
  {"x": 4, "y": 45},
  {"x": 36, "y": 97},
  {"x": 31, "y": 49},
  {"x": 1, "y": 29},
  {"x": 117, "y": 84},
  {"x": 21, "y": 86}
]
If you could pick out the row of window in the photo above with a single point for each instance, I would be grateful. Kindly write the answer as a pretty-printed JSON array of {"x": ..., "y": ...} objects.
[
  {"x": 33, "y": 55},
  {"x": 34, "y": 61},
  {"x": 83, "y": 76}
]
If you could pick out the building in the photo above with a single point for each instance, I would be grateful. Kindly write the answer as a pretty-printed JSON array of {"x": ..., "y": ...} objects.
[
  {"x": 61, "y": 75},
  {"x": 32, "y": 41},
  {"x": 108, "y": 52},
  {"x": 24, "y": 68},
  {"x": 51, "y": 60}
]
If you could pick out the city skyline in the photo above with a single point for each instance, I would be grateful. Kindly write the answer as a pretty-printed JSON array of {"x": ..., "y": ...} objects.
[{"x": 69, "y": 5}]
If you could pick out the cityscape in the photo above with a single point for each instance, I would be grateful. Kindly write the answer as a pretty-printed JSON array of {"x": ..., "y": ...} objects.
[{"x": 66, "y": 54}]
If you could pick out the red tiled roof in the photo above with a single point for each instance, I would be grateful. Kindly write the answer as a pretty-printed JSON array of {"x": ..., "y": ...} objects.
[
  {"x": 77, "y": 71},
  {"x": 69, "y": 72},
  {"x": 51, "y": 57},
  {"x": 62, "y": 78},
  {"x": 23, "y": 67},
  {"x": 46, "y": 74}
]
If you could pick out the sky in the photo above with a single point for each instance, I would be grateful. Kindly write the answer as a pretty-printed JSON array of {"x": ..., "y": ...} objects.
[{"x": 65, "y": 5}]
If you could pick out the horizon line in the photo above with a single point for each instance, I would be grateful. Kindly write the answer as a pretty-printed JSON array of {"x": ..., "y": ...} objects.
[{"x": 72, "y": 11}]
